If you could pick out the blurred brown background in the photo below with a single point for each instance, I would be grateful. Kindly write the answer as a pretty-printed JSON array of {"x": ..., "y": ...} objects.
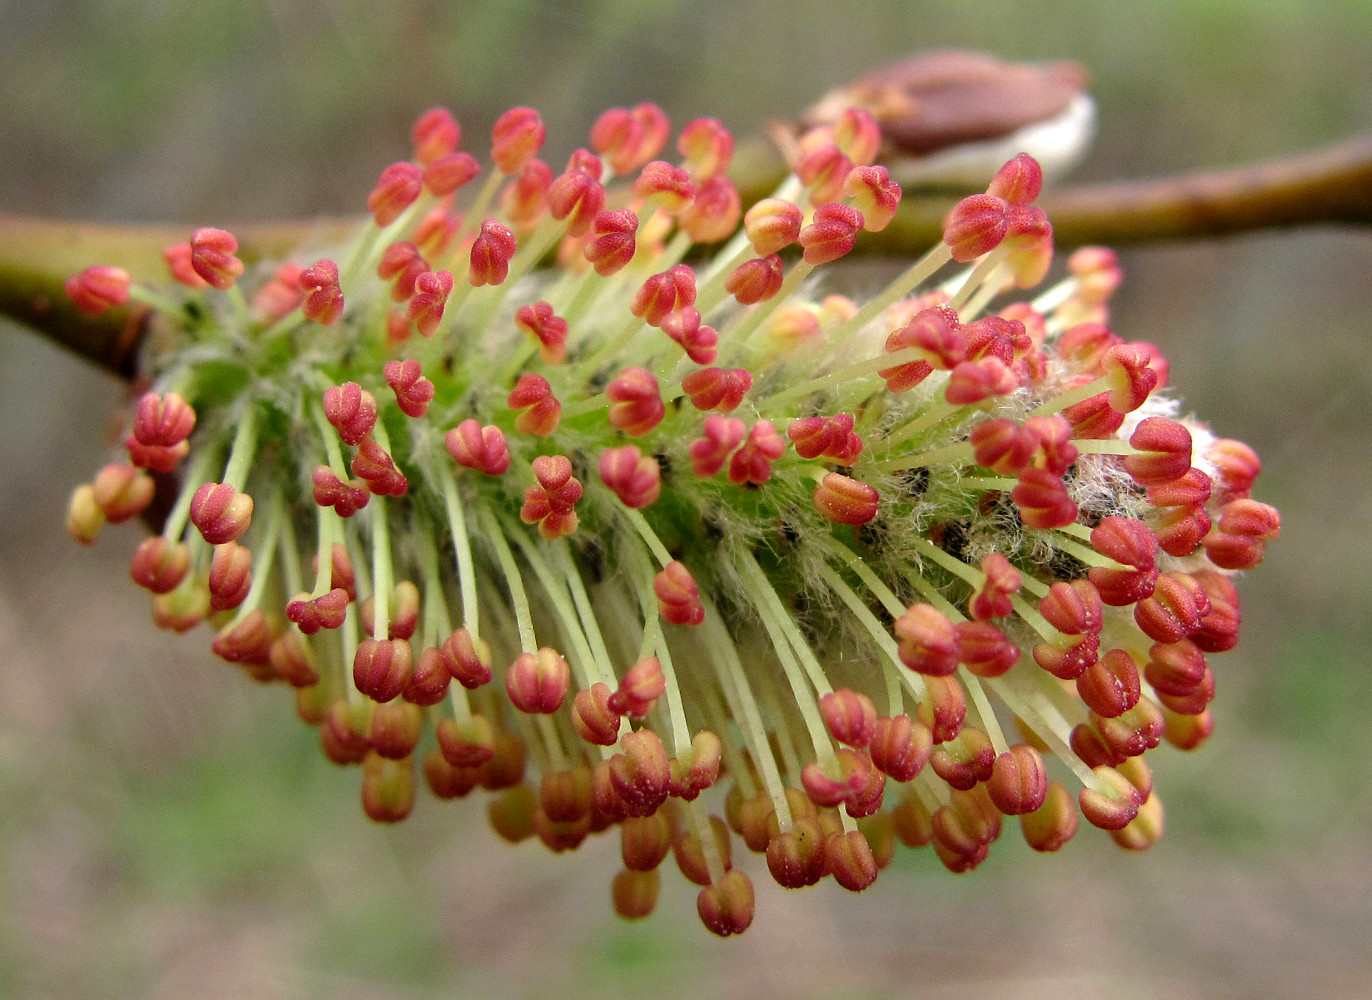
[{"x": 168, "y": 830}]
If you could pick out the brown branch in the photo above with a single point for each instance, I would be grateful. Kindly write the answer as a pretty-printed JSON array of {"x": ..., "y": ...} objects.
[{"x": 1328, "y": 186}]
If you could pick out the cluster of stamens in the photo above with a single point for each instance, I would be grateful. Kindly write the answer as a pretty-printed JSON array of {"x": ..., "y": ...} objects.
[{"x": 662, "y": 541}]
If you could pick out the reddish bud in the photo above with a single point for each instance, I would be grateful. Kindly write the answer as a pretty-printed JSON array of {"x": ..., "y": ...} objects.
[
  {"x": 1019, "y": 181},
  {"x": 663, "y": 294},
  {"x": 412, "y": 390},
  {"x": 396, "y": 190},
  {"x": 697, "y": 341},
  {"x": 470, "y": 743},
  {"x": 985, "y": 649},
  {"x": 678, "y": 597},
  {"x": 665, "y": 186},
  {"x": 159, "y": 564},
  {"x": 1166, "y": 452},
  {"x": 752, "y": 463},
  {"x": 247, "y": 641},
  {"x": 850, "y": 860},
  {"x": 640, "y": 774},
  {"x": 719, "y": 389},
  {"x": 537, "y": 683},
  {"x": 218, "y": 510},
  {"x": 374, "y": 465},
  {"x": 632, "y": 476},
  {"x": 550, "y": 503},
  {"x": 714, "y": 212},
  {"x": 329, "y": 491},
  {"x": 595, "y": 721},
  {"x": 612, "y": 243},
  {"x": 430, "y": 299},
  {"x": 542, "y": 411},
  {"x": 445, "y": 175},
  {"x": 975, "y": 226},
  {"x": 435, "y": 134},
  {"x": 1019, "y": 781},
  {"x": 516, "y": 138},
  {"x": 845, "y": 501},
  {"x": 992, "y": 600},
  {"x": 1073, "y": 607},
  {"x": 874, "y": 194},
  {"x": 382, "y": 668},
  {"x": 900, "y": 746},
  {"x": 832, "y": 232},
  {"x": 726, "y": 907},
  {"x": 324, "y": 303},
  {"x": 550, "y": 330},
  {"x": 707, "y": 146},
  {"x": 395, "y": 729},
  {"x": 772, "y": 225},
  {"x": 1050, "y": 826},
  {"x": 635, "y": 402},
  {"x": 351, "y": 409},
  {"x": 476, "y": 447},
  {"x": 928, "y": 641},
  {"x": 722, "y": 436},
  {"x": 99, "y": 288},
  {"x": 576, "y": 197},
  {"x": 230, "y": 576},
  {"x": 212, "y": 257}
]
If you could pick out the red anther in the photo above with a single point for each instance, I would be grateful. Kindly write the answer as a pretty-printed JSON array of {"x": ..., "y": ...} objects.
[
  {"x": 772, "y": 225},
  {"x": 1111, "y": 803},
  {"x": 640, "y": 688},
  {"x": 1220, "y": 628},
  {"x": 874, "y": 194},
  {"x": 159, "y": 565},
  {"x": 992, "y": 600},
  {"x": 752, "y": 463},
  {"x": 431, "y": 290},
  {"x": 975, "y": 226},
  {"x": 855, "y": 773},
  {"x": 618, "y": 136},
  {"x": 698, "y": 768},
  {"x": 1176, "y": 669},
  {"x": 1120, "y": 588},
  {"x": 722, "y": 436},
  {"x": 436, "y": 231},
  {"x": 964, "y": 760},
  {"x": 1180, "y": 530},
  {"x": 178, "y": 260},
  {"x": 796, "y": 859},
  {"x": 404, "y": 616},
  {"x": 826, "y": 437},
  {"x": 476, "y": 447},
  {"x": 832, "y": 232},
  {"x": 665, "y": 293},
  {"x": 1019, "y": 781},
  {"x": 230, "y": 576},
  {"x": 900, "y": 746},
  {"x": 1236, "y": 466},
  {"x": 381, "y": 669},
  {"x": 99, "y": 288},
  {"x": 756, "y": 280},
  {"x": 1126, "y": 540},
  {"x": 1094, "y": 417},
  {"x": 1097, "y": 272},
  {"x": 612, "y": 242},
  {"x": 1073, "y": 607},
  {"x": 997, "y": 337},
  {"x": 577, "y": 198},
  {"x": 714, "y": 212},
  {"x": 413, "y": 391},
  {"x": 1189, "y": 490},
  {"x": 542, "y": 411},
  {"x": 985, "y": 649},
  {"x": 1067, "y": 663},
  {"x": 974, "y": 381},
  {"x": 537, "y": 683},
  {"x": 163, "y": 421},
  {"x": 1166, "y": 452},
  {"x": 430, "y": 681},
  {"x": 1019, "y": 181},
  {"x": 726, "y": 906},
  {"x": 697, "y": 341},
  {"x": 1239, "y": 539},
  {"x": 375, "y": 466},
  {"x": 645, "y": 841},
  {"x": 280, "y": 296},
  {"x": 1086, "y": 743},
  {"x": 491, "y": 253},
  {"x": 1175, "y": 609},
  {"x": 1003, "y": 446},
  {"x": 565, "y": 796},
  {"x": 551, "y": 501},
  {"x": 678, "y": 597},
  {"x": 1110, "y": 686},
  {"x": 867, "y": 800},
  {"x": 444, "y": 176},
  {"x": 632, "y": 476},
  {"x": 1193, "y": 701},
  {"x": 929, "y": 642},
  {"x": 822, "y": 168},
  {"x": 719, "y": 389},
  {"x": 1049, "y": 827},
  {"x": 435, "y": 134},
  {"x": 118, "y": 493},
  {"x": 595, "y": 721},
  {"x": 844, "y": 500},
  {"x": 944, "y": 707},
  {"x": 212, "y": 257},
  {"x": 469, "y": 743},
  {"x": 668, "y": 187},
  {"x": 1055, "y": 452},
  {"x": 330, "y": 491},
  {"x": 467, "y": 658},
  {"x": 1134, "y": 732},
  {"x": 640, "y": 775},
  {"x": 1086, "y": 344},
  {"x": 858, "y": 135},
  {"x": 326, "y": 611},
  {"x": 524, "y": 199},
  {"x": 324, "y": 303},
  {"x": 850, "y": 860},
  {"x": 1127, "y": 365},
  {"x": 636, "y": 405},
  {"x": 708, "y": 148},
  {"x": 586, "y": 162},
  {"x": 351, "y": 410},
  {"x": 395, "y": 729},
  {"x": 1042, "y": 499},
  {"x": 292, "y": 665},
  {"x": 218, "y": 510},
  {"x": 154, "y": 457},
  {"x": 396, "y": 190},
  {"x": 937, "y": 332},
  {"x": 516, "y": 138},
  {"x": 850, "y": 717},
  {"x": 550, "y": 330},
  {"x": 249, "y": 641},
  {"x": 1030, "y": 236}
]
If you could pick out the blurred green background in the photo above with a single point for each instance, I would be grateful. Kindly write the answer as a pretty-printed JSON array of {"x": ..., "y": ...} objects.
[{"x": 170, "y": 831}]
